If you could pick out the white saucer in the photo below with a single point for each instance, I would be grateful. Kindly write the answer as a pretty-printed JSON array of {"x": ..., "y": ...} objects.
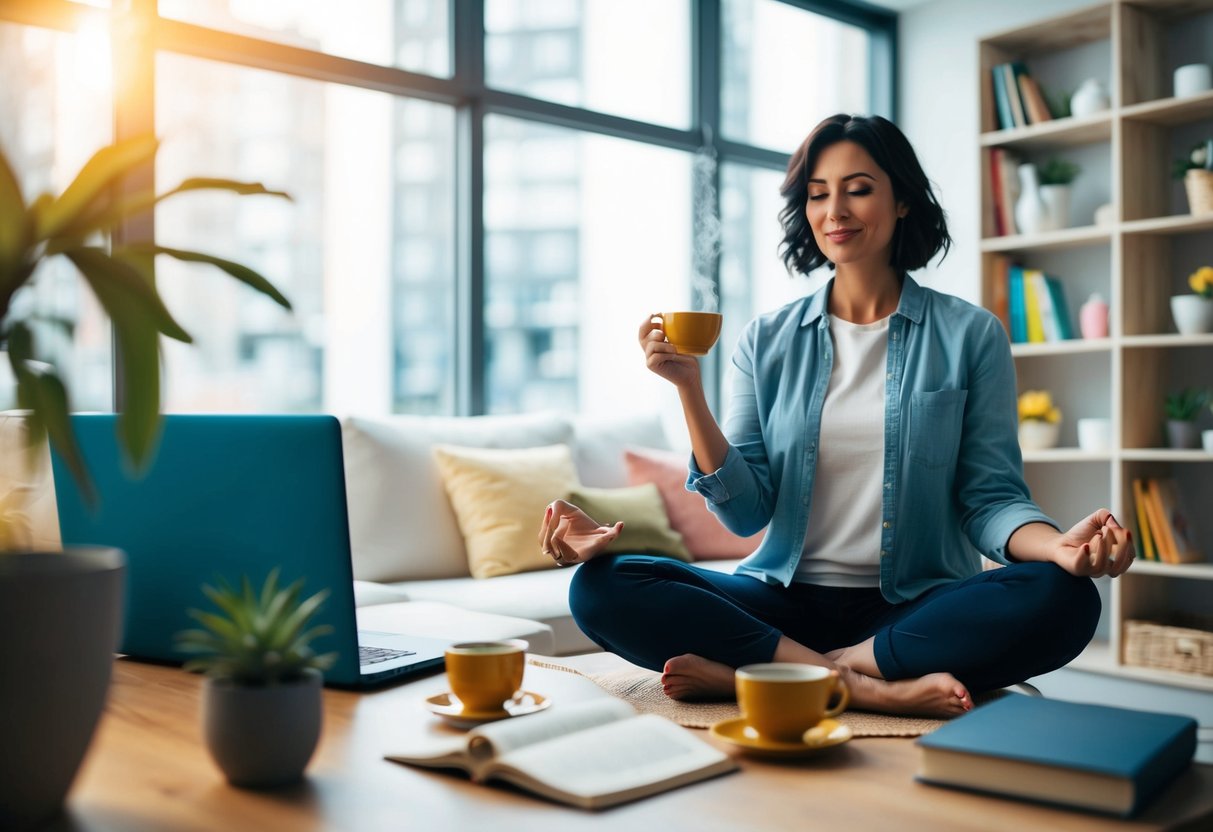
[
  {"x": 826, "y": 734},
  {"x": 447, "y": 706}
]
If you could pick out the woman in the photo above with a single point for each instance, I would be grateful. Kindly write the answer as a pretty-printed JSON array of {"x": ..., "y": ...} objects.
[{"x": 872, "y": 429}]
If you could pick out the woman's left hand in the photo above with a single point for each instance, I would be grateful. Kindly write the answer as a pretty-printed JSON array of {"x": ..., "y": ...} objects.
[{"x": 1097, "y": 545}]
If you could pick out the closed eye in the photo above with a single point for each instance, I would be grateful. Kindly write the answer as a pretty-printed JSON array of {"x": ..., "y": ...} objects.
[{"x": 859, "y": 192}]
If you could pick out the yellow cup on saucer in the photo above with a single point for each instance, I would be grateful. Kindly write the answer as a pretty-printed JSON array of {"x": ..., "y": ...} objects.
[
  {"x": 484, "y": 675},
  {"x": 781, "y": 700}
]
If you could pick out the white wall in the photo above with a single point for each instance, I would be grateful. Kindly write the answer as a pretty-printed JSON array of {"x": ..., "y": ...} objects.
[{"x": 937, "y": 88}]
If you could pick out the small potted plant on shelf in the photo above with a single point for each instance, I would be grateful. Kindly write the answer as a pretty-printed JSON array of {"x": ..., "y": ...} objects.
[
  {"x": 261, "y": 705},
  {"x": 1193, "y": 314},
  {"x": 1196, "y": 171},
  {"x": 1039, "y": 420},
  {"x": 1056, "y": 178},
  {"x": 1182, "y": 410}
]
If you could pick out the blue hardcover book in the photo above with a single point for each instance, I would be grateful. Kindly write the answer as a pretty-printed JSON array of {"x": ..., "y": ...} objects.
[
  {"x": 1061, "y": 309},
  {"x": 1002, "y": 104},
  {"x": 1093, "y": 757},
  {"x": 1019, "y": 312}
]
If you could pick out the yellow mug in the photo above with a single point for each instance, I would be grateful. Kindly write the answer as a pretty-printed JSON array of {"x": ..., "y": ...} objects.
[
  {"x": 781, "y": 700},
  {"x": 484, "y": 675},
  {"x": 691, "y": 333}
]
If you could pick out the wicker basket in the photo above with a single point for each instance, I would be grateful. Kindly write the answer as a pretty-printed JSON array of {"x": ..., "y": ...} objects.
[
  {"x": 1183, "y": 649},
  {"x": 1199, "y": 185}
]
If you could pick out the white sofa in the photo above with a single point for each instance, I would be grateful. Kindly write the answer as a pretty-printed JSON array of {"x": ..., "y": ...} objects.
[
  {"x": 410, "y": 566},
  {"x": 404, "y": 533}
]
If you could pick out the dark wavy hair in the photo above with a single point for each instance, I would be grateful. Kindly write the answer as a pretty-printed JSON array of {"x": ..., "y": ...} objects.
[{"x": 919, "y": 235}]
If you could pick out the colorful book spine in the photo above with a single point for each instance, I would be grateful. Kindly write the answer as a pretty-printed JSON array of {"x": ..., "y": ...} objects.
[
  {"x": 999, "y": 295},
  {"x": 1018, "y": 105},
  {"x": 1019, "y": 320},
  {"x": 1158, "y": 524},
  {"x": 1061, "y": 309},
  {"x": 1145, "y": 539},
  {"x": 1036, "y": 332},
  {"x": 1018, "y": 119},
  {"x": 1002, "y": 104},
  {"x": 996, "y": 199},
  {"x": 1044, "y": 301}
]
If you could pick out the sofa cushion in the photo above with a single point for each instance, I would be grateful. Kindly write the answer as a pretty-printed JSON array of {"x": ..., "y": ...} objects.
[
  {"x": 703, "y": 534},
  {"x": 402, "y": 525},
  {"x": 598, "y": 443},
  {"x": 443, "y": 621},
  {"x": 646, "y": 528},
  {"x": 538, "y": 596},
  {"x": 499, "y": 495}
]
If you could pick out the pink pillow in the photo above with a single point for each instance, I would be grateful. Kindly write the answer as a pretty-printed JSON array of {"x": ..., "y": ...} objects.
[{"x": 702, "y": 533}]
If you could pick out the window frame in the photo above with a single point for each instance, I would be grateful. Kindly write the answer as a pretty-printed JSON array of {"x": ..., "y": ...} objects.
[{"x": 468, "y": 93}]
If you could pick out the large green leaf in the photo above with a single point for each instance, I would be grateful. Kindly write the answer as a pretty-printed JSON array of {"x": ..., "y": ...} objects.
[
  {"x": 107, "y": 166},
  {"x": 242, "y": 273},
  {"x": 42, "y": 392},
  {"x": 105, "y": 217},
  {"x": 125, "y": 289},
  {"x": 14, "y": 222}
]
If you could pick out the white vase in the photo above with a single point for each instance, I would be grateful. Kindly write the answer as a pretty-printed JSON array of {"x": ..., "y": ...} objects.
[
  {"x": 1035, "y": 435},
  {"x": 1088, "y": 99},
  {"x": 1029, "y": 208},
  {"x": 1193, "y": 314},
  {"x": 1056, "y": 201}
]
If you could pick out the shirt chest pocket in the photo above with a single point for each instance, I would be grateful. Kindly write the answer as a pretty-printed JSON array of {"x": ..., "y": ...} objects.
[{"x": 936, "y": 421}]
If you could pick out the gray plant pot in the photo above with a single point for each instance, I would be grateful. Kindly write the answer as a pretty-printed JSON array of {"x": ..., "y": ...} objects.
[
  {"x": 262, "y": 737},
  {"x": 1182, "y": 434},
  {"x": 60, "y": 621}
]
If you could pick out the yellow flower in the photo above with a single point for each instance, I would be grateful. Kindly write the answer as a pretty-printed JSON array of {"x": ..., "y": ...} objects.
[
  {"x": 1038, "y": 405},
  {"x": 1201, "y": 281}
]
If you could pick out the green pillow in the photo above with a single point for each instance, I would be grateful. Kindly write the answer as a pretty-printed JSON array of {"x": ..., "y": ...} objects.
[{"x": 646, "y": 528}]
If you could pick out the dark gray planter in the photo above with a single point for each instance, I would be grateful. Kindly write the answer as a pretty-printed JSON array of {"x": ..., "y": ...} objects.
[
  {"x": 1182, "y": 434},
  {"x": 262, "y": 736},
  {"x": 60, "y": 621}
]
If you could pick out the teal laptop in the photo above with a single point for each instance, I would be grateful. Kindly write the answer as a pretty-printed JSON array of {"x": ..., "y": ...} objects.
[{"x": 230, "y": 496}]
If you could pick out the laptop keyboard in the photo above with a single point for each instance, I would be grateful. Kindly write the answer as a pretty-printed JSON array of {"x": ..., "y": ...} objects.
[{"x": 375, "y": 655}]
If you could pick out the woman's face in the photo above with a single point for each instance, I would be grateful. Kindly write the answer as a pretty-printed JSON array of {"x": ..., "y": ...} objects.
[{"x": 851, "y": 206}]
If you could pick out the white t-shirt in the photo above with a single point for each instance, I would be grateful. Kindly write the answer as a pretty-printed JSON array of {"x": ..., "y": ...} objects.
[{"x": 842, "y": 546}]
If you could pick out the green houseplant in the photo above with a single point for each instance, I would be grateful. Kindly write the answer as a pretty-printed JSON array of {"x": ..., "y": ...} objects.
[
  {"x": 1182, "y": 409},
  {"x": 262, "y": 697},
  {"x": 62, "y": 613}
]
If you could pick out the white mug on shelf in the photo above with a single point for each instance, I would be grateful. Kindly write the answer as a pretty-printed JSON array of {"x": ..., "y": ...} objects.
[
  {"x": 1094, "y": 435},
  {"x": 1206, "y": 440},
  {"x": 1192, "y": 79}
]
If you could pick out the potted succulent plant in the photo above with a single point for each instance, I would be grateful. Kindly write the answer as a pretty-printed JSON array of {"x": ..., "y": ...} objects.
[
  {"x": 1182, "y": 409},
  {"x": 1039, "y": 421},
  {"x": 1193, "y": 314},
  {"x": 61, "y": 613},
  {"x": 262, "y": 706},
  {"x": 1056, "y": 178}
]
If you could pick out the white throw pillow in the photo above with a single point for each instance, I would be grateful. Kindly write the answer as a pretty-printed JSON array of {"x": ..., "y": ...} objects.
[
  {"x": 599, "y": 441},
  {"x": 402, "y": 526}
]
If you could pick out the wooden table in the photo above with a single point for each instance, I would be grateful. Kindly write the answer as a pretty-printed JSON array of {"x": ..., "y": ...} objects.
[{"x": 148, "y": 769}]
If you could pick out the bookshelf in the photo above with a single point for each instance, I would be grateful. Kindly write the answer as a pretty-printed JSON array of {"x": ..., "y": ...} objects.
[{"x": 1136, "y": 261}]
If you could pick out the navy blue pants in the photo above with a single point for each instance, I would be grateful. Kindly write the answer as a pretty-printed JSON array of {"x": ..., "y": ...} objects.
[{"x": 994, "y": 629}]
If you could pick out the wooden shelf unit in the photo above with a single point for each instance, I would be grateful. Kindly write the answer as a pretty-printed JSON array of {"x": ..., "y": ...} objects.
[{"x": 1137, "y": 262}]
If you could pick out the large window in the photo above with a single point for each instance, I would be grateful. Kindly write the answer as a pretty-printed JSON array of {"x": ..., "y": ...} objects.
[{"x": 488, "y": 195}]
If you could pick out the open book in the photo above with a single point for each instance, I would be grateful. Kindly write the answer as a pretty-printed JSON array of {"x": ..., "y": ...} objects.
[{"x": 590, "y": 754}]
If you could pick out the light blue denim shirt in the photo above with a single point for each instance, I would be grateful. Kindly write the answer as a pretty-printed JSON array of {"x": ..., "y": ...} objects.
[{"x": 953, "y": 476}]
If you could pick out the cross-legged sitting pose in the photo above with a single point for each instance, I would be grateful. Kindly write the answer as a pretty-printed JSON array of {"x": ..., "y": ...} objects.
[{"x": 871, "y": 430}]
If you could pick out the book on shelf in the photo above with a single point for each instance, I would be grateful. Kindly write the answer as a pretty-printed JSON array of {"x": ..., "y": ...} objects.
[
  {"x": 1037, "y": 309},
  {"x": 1034, "y": 100},
  {"x": 590, "y": 754},
  {"x": 1091, "y": 757},
  {"x": 1010, "y": 74},
  {"x": 1060, "y": 308},
  {"x": 1002, "y": 102},
  {"x": 999, "y": 291},
  {"x": 1007, "y": 164},
  {"x": 1175, "y": 521},
  {"x": 1015, "y": 303},
  {"x": 1031, "y": 304},
  {"x": 1157, "y": 527},
  {"x": 1145, "y": 538},
  {"x": 993, "y": 185}
]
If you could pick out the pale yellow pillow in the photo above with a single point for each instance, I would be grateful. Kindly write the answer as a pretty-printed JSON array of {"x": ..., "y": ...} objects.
[{"x": 498, "y": 496}]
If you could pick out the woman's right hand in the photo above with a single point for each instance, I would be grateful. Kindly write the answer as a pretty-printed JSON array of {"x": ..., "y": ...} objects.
[
  {"x": 568, "y": 535},
  {"x": 662, "y": 359}
]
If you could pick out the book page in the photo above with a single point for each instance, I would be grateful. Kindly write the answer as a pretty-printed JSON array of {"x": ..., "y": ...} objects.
[
  {"x": 498, "y": 738},
  {"x": 624, "y": 759}
]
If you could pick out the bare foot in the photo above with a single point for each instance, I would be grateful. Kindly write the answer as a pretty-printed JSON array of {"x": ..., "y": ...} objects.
[
  {"x": 694, "y": 677},
  {"x": 936, "y": 694}
]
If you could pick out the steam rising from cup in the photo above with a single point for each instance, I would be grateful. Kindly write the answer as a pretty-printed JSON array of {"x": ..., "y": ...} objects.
[{"x": 706, "y": 232}]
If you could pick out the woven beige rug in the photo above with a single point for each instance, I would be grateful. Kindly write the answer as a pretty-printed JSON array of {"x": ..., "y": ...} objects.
[{"x": 642, "y": 689}]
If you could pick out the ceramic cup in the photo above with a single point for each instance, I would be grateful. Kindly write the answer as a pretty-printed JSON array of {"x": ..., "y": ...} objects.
[
  {"x": 485, "y": 674},
  {"x": 1192, "y": 79},
  {"x": 691, "y": 333},
  {"x": 1206, "y": 440},
  {"x": 782, "y": 700},
  {"x": 1094, "y": 434}
]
